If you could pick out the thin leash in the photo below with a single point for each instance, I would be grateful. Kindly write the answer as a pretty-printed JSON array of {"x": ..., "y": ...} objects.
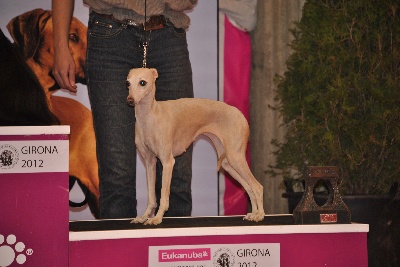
[{"x": 147, "y": 37}]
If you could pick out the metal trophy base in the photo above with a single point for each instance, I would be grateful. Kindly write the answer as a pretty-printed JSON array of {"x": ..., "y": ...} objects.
[{"x": 333, "y": 211}]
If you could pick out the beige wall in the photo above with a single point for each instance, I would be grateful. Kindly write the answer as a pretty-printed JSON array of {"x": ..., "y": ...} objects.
[{"x": 270, "y": 41}]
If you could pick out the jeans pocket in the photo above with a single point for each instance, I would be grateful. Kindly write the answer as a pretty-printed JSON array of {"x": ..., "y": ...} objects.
[
  {"x": 178, "y": 32},
  {"x": 104, "y": 28}
]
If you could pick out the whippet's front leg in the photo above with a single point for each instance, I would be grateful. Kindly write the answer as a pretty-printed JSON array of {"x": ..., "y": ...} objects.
[
  {"x": 150, "y": 164},
  {"x": 168, "y": 166}
]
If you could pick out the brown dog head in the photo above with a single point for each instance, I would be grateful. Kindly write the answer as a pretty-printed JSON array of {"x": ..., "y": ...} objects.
[{"x": 33, "y": 35}]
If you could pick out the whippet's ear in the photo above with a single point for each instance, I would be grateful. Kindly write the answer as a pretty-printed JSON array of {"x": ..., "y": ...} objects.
[{"x": 155, "y": 73}]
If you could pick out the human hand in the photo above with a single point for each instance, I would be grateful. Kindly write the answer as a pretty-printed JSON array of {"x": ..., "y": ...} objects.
[{"x": 64, "y": 70}]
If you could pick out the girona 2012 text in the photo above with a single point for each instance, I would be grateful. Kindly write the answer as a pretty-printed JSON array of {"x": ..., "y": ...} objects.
[
  {"x": 248, "y": 264},
  {"x": 32, "y": 163}
]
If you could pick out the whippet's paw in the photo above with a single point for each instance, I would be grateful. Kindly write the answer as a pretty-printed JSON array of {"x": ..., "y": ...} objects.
[
  {"x": 153, "y": 221},
  {"x": 254, "y": 217},
  {"x": 140, "y": 219}
]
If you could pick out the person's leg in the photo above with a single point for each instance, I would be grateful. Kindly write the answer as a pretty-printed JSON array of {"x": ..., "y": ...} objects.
[
  {"x": 112, "y": 51},
  {"x": 168, "y": 53}
]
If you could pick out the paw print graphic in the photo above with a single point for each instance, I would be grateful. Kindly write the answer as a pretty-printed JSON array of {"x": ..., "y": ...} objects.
[{"x": 11, "y": 250}]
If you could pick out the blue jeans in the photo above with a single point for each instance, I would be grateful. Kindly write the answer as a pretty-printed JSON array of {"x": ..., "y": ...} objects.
[{"x": 113, "y": 49}]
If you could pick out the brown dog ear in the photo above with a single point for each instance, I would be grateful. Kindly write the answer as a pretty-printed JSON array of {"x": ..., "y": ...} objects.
[{"x": 25, "y": 30}]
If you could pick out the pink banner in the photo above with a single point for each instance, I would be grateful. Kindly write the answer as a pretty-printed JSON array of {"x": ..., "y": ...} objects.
[
  {"x": 34, "y": 196},
  {"x": 237, "y": 64}
]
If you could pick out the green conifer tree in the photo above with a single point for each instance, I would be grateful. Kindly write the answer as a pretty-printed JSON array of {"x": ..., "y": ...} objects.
[{"x": 340, "y": 97}]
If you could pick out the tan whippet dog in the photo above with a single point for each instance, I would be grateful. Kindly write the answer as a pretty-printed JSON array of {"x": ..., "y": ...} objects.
[{"x": 165, "y": 129}]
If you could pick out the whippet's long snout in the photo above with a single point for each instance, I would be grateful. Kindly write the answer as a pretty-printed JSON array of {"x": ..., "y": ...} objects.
[{"x": 129, "y": 100}]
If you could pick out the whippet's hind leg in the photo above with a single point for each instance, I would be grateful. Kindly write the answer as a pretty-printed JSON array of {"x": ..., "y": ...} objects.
[{"x": 237, "y": 167}]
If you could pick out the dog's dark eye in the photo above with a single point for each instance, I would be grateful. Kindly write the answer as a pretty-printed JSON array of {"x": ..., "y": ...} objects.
[
  {"x": 127, "y": 83},
  {"x": 142, "y": 83},
  {"x": 73, "y": 37}
]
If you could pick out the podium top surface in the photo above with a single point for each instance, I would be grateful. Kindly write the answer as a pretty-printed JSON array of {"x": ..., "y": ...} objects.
[
  {"x": 34, "y": 130},
  {"x": 201, "y": 226}
]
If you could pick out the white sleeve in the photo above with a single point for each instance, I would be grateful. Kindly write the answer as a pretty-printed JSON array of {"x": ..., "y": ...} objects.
[{"x": 241, "y": 12}]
